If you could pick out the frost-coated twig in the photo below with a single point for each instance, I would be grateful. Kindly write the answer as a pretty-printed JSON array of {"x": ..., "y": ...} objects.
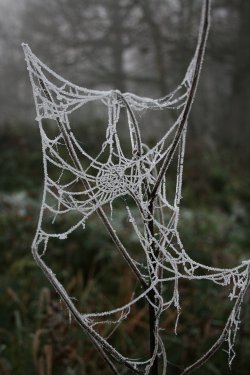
[
  {"x": 113, "y": 235},
  {"x": 215, "y": 347},
  {"x": 100, "y": 212},
  {"x": 101, "y": 345},
  {"x": 204, "y": 29}
]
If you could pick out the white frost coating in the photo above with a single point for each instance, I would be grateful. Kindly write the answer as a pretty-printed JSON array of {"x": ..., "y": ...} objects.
[{"x": 84, "y": 185}]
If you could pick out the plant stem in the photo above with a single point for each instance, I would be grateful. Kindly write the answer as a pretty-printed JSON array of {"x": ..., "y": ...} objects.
[
  {"x": 152, "y": 295},
  {"x": 205, "y": 24},
  {"x": 201, "y": 361},
  {"x": 105, "y": 352}
]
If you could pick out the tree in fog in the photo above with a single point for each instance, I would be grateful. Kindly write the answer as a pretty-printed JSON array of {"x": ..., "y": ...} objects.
[{"x": 134, "y": 45}]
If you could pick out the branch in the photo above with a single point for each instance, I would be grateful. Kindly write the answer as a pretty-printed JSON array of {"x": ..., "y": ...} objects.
[
  {"x": 222, "y": 337},
  {"x": 104, "y": 348},
  {"x": 102, "y": 345},
  {"x": 99, "y": 210},
  {"x": 135, "y": 123},
  {"x": 205, "y": 24}
]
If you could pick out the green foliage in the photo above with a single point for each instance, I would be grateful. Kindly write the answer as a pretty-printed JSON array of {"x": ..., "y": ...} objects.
[{"x": 36, "y": 336}]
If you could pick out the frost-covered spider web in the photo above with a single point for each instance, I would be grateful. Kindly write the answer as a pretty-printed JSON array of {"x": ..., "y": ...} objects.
[{"x": 85, "y": 184}]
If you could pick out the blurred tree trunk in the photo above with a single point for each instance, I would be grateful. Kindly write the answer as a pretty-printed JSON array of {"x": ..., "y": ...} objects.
[
  {"x": 118, "y": 46},
  {"x": 239, "y": 109},
  {"x": 156, "y": 35}
]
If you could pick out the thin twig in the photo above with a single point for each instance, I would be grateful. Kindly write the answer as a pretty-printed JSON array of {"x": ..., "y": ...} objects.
[
  {"x": 103, "y": 349},
  {"x": 99, "y": 210},
  {"x": 135, "y": 124},
  {"x": 205, "y": 24},
  {"x": 222, "y": 337},
  {"x": 101, "y": 344}
]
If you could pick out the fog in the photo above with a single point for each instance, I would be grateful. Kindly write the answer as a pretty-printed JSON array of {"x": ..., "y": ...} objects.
[{"x": 136, "y": 46}]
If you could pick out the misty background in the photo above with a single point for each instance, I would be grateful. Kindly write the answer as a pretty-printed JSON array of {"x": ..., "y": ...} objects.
[
  {"x": 133, "y": 45},
  {"x": 142, "y": 46}
]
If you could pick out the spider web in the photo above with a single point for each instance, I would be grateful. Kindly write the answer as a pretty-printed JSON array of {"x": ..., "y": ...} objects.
[{"x": 84, "y": 185}]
